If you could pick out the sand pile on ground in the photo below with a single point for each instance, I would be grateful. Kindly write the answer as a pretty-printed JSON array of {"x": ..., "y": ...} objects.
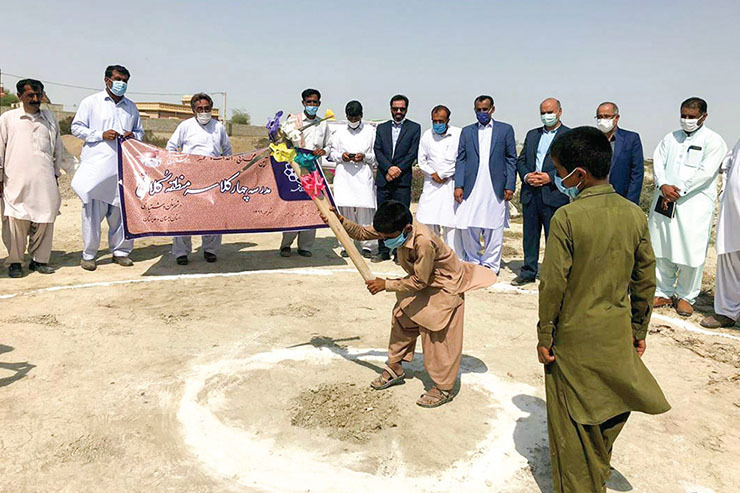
[{"x": 345, "y": 411}]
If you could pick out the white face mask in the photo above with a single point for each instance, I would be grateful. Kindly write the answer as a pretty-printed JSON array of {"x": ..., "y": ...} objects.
[
  {"x": 690, "y": 124},
  {"x": 605, "y": 124},
  {"x": 354, "y": 125},
  {"x": 549, "y": 119},
  {"x": 203, "y": 118}
]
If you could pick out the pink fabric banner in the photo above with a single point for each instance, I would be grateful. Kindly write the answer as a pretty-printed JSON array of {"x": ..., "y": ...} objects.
[{"x": 169, "y": 194}]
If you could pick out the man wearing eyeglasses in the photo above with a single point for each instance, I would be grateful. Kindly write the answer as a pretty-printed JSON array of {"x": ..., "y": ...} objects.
[{"x": 628, "y": 165}]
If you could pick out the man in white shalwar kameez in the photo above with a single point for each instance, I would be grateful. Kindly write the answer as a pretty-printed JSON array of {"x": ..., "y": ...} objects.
[
  {"x": 351, "y": 149},
  {"x": 437, "y": 156},
  {"x": 311, "y": 136},
  {"x": 727, "y": 289},
  {"x": 101, "y": 120},
  {"x": 686, "y": 166},
  {"x": 202, "y": 136},
  {"x": 30, "y": 163}
]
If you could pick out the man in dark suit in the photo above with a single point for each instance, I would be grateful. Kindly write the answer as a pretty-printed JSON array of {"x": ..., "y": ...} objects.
[
  {"x": 485, "y": 180},
  {"x": 396, "y": 148},
  {"x": 628, "y": 165},
  {"x": 540, "y": 197}
]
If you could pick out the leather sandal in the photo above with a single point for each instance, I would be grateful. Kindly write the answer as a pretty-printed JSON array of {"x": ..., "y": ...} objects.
[{"x": 381, "y": 382}]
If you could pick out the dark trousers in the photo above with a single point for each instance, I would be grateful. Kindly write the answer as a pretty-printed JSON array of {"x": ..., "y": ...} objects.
[
  {"x": 392, "y": 192},
  {"x": 536, "y": 214}
]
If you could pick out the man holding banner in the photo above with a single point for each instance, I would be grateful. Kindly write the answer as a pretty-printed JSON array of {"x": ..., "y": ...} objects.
[
  {"x": 202, "y": 136},
  {"x": 101, "y": 120},
  {"x": 316, "y": 138}
]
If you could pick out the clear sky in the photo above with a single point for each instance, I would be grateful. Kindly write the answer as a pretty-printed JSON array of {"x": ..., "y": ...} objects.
[{"x": 645, "y": 55}]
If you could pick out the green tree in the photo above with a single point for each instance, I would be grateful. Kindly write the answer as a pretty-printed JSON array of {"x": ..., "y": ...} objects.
[
  {"x": 240, "y": 116},
  {"x": 8, "y": 99}
]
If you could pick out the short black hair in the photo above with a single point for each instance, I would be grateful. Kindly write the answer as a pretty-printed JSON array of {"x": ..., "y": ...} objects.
[
  {"x": 441, "y": 107},
  {"x": 310, "y": 92},
  {"x": 353, "y": 108},
  {"x": 696, "y": 104},
  {"x": 400, "y": 97},
  {"x": 36, "y": 85},
  {"x": 116, "y": 68},
  {"x": 583, "y": 147},
  {"x": 197, "y": 97},
  {"x": 392, "y": 217},
  {"x": 482, "y": 98}
]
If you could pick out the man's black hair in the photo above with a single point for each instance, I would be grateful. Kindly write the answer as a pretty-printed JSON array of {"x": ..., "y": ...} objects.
[
  {"x": 36, "y": 85},
  {"x": 310, "y": 92},
  {"x": 400, "y": 97},
  {"x": 116, "y": 68},
  {"x": 441, "y": 107},
  {"x": 484, "y": 97},
  {"x": 353, "y": 108},
  {"x": 199, "y": 96},
  {"x": 392, "y": 217},
  {"x": 583, "y": 147},
  {"x": 695, "y": 104}
]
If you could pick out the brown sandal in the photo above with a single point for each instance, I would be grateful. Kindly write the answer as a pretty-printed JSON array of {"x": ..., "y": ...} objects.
[
  {"x": 381, "y": 383},
  {"x": 444, "y": 397}
]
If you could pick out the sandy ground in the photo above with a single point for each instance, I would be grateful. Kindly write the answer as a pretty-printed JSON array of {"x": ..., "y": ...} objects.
[{"x": 250, "y": 375}]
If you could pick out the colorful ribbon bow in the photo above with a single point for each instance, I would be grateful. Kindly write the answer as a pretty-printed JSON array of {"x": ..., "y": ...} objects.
[
  {"x": 313, "y": 184},
  {"x": 273, "y": 125},
  {"x": 306, "y": 161},
  {"x": 281, "y": 153}
]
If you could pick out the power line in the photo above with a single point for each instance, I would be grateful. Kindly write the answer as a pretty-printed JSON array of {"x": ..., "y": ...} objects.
[{"x": 98, "y": 89}]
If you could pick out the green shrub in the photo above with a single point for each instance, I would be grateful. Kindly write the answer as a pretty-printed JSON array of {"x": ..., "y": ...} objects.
[{"x": 240, "y": 116}]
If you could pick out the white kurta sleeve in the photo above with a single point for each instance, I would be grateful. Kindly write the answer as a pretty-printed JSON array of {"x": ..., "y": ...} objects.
[
  {"x": 370, "y": 151},
  {"x": 334, "y": 150},
  {"x": 3, "y": 143},
  {"x": 137, "y": 129},
  {"x": 707, "y": 170},
  {"x": 423, "y": 157},
  {"x": 659, "y": 163},
  {"x": 81, "y": 124},
  {"x": 175, "y": 142},
  {"x": 226, "y": 149}
]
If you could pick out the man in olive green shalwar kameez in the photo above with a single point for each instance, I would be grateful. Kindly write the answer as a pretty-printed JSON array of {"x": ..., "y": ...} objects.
[{"x": 596, "y": 293}]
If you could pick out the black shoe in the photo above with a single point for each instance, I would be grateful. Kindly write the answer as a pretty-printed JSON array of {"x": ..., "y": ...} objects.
[
  {"x": 123, "y": 261},
  {"x": 382, "y": 256},
  {"x": 367, "y": 254},
  {"x": 305, "y": 253},
  {"x": 285, "y": 252},
  {"x": 90, "y": 265},
  {"x": 344, "y": 254},
  {"x": 210, "y": 257},
  {"x": 521, "y": 281},
  {"x": 40, "y": 268},
  {"x": 395, "y": 260},
  {"x": 15, "y": 271},
  {"x": 182, "y": 260}
]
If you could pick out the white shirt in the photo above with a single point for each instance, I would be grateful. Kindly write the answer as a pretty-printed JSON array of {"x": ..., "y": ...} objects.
[
  {"x": 314, "y": 137},
  {"x": 728, "y": 223},
  {"x": 691, "y": 163},
  {"x": 438, "y": 154},
  {"x": 97, "y": 176},
  {"x": 354, "y": 183},
  {"x": 482, "y": 208},
  {"x": 202, "y": 140}
]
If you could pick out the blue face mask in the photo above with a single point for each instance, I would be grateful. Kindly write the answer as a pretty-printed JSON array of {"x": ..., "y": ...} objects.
[
  {"x": 483, "y": 117},
  {"x": 439, "y": 128},
  {"x": 571, "y": 192},
  {"x": 118, "y": 87},
  {"x": 397, "y": 241},
  {"x": 311, "y": 110}
]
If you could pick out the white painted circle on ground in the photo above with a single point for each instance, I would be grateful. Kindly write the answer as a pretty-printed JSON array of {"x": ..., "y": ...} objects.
[{"x": 241, "y": 456}]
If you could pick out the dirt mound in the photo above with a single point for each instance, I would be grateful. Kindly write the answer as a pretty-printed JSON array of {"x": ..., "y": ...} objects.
[
  {"x": 45, "y": 319},
  {"x": 345, "y": 411}
]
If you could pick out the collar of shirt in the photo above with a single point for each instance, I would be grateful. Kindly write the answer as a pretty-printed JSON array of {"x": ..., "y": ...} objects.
[
  {"x": 409, "y": 243},
  {"x": 107, "y": 97},
  {"x": 489, "y": 124},
  {"x": 356, "y": 130},
  {"x": 399, "y": 124},
  {"x": 546, "y": 131},
  {"x": 595, "y": 190}
]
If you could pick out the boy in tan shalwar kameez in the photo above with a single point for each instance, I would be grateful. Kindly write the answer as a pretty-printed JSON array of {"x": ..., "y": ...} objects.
[{"x": 430, "y": 300}]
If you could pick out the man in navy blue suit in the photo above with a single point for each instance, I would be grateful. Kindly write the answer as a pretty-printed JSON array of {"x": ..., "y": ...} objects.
[
  {"x": 485, "y": 179},
  {"x": 540, "y": 197},
  {"x": 628, "y": 166},
  {"x": 396, "y": 148}
]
